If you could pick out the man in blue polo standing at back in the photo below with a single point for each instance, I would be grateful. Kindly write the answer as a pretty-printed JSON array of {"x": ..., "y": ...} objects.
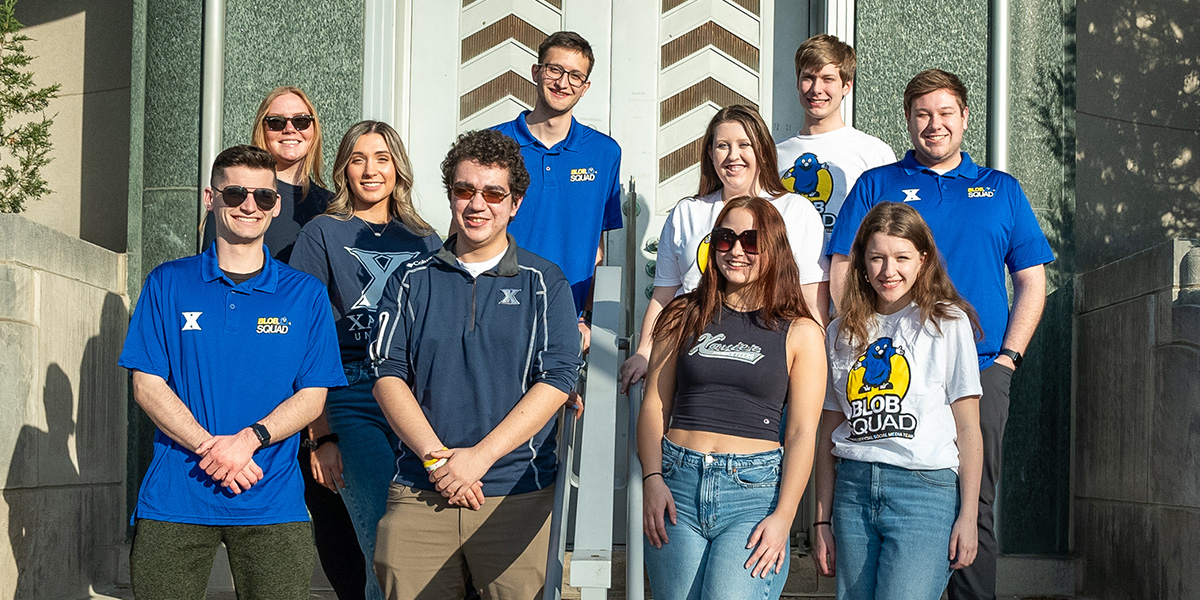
[
  {"x": 231, "y": 353},
  {"x": 983, "y": 225},
  {"x": 574, "y": 192}
]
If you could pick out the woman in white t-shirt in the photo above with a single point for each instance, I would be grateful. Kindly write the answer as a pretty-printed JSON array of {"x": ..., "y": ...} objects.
[
  {"x": 739, "y": 160},
  {"x": 900, "y": 454}
]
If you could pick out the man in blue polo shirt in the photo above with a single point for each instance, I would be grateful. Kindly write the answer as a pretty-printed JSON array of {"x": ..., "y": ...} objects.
[
  {"x": 231, "y": 353},
  {"x": 574, "y": 192},
  {"x": 983, "y": 224}
]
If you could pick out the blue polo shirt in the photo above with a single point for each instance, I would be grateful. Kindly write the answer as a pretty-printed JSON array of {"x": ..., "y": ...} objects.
[
  {"x": 574, "y": 195},
  {"x": 981, "y": 221},
  {"x": 232, "y": 353}
]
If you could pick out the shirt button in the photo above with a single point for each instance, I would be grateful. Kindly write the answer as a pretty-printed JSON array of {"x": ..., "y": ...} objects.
[
  {"x": 232, "y": 306},
  {"x": 547, "y": 168}
]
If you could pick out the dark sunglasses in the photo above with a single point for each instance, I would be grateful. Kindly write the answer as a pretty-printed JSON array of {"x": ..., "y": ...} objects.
[
  {"x": 235, "y": 195},
  {"x": 723, "y": 239},
  {"x": 466, "y": 192},
  {"x": 278, "y": 123}
]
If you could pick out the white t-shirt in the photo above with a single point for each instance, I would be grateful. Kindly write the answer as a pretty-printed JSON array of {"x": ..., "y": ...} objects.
[
  {"x": 824, "y": 166},
  {"x": 478, "y": 268},
  {"x": 897, "y": 394},
  {"x": 683, "y": 244}
]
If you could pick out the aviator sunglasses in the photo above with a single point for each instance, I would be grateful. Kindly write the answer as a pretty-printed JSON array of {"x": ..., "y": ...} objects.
[
  {"x": 723, "y": 239},
  {"x": 466, "y": 192},
  {"x": 278, "y": 123},
  {"x": 235, "y": 195}
]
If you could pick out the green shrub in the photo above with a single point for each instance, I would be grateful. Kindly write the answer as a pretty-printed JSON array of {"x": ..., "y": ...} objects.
[{"x": 24, "y": 138}]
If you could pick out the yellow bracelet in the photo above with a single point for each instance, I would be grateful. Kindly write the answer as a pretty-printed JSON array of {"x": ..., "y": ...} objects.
[{"x": 432, "y": 464}]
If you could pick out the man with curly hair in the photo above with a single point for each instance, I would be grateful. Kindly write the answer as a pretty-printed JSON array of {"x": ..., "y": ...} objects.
[{"x": 475, "y": 348}]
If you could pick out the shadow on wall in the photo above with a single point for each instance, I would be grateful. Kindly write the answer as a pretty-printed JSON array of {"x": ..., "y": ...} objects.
[
  {"x": 104, "y": 136},
  {"x": 1139, "y": 127},
  {"x": 63, "y": 488}
]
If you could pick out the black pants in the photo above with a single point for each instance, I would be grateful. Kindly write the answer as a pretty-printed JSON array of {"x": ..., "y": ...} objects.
[
  {"x": 337, "y": 545},
  {"x": 978, "y": 581}
]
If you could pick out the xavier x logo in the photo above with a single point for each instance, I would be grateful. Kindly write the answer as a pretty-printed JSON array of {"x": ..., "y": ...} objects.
[
  {"x": 192, "y": 322},
  {"x": 380, "y": 266},
  {"x": 911, "y": 195},
  {"x": 510, "y": 297}
]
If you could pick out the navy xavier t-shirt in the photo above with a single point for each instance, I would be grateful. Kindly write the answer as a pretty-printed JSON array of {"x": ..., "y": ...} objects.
[{"x": 355, "y": 265}]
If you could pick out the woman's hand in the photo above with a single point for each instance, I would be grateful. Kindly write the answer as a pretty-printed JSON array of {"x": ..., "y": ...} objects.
[
  {"x": 632, "y": 371},
  {"x": 770, "y": 544},
  {"x": 326, "y": 464},
  {"x": 657, "y": 505},
  {"x": 824, "y": 551},
  {"x": 964, "y": 542}
]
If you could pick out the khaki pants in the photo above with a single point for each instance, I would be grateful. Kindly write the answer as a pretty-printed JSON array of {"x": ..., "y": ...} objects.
[{"x": 425, "y": 547}]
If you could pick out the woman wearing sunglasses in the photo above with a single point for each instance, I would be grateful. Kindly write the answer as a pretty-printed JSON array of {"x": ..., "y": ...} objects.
[
  {"x": 287, "y": 127},
  {"x": 370, "y": 230},
  {"x": 901, "y": 420},
  {"x": 739, "y": 160},
  {"x": 720, "y": 493}
]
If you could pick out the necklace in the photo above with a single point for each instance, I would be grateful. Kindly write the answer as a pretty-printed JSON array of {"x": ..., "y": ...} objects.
[{"x": 372, "y": 227}]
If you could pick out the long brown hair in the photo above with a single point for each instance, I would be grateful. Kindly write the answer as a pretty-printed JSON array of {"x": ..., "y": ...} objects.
[
  {"x": 400, "y": 204},
  {"x": 933, "y": 291},
  {"x": 760, "y": 141},
  {"x": 776, "y": 291},
  {"x": 313, "y": 161}
]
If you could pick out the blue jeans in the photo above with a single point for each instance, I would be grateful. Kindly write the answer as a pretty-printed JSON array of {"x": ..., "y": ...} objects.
[
  {"x": 891, "y": 527},
  {"x": 719, "y": 500},
  {"x": 368, "y": 446}
]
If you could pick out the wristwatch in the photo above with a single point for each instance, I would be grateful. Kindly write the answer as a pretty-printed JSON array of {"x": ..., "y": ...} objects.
[
  {"x": 264, "y": 436},
  {"x": 1014, "y": 355},
  {"x": 312, "y": 445}
]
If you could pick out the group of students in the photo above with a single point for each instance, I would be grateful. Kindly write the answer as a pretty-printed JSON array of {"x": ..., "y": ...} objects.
[
  {"x": 738, "y": 354},
  {"x": 745, "y": 377}
]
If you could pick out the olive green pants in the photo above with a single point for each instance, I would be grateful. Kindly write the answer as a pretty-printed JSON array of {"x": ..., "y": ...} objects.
[{"x": 172, "y": 561}]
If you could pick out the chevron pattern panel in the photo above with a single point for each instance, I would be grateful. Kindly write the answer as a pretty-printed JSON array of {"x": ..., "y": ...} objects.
[
  {"x": 709, "y": 58},
  {"x": 498, "y": 45}
]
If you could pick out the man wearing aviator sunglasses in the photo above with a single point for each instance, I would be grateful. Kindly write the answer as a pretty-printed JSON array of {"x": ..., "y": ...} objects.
[
  {"x": 574, "y": 193},
  {"x": 231, "y": 353}
]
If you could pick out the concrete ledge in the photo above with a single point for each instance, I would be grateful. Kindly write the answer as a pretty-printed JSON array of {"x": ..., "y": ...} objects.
[
  {"x": 37, "y": 246},
  {"x": 1152, "y": 270}
]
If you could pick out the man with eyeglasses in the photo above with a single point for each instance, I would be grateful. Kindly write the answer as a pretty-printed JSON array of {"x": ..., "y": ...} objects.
[
  {"x": 231, "y": 353},
  {"x": 575, "y": 192},
  {"x": 475, "y": 348}
]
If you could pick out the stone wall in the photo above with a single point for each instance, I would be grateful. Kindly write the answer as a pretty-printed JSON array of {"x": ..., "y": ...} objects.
[
  {"x": 63, "y": 315},
  {"x": 1137, "y": 425}
]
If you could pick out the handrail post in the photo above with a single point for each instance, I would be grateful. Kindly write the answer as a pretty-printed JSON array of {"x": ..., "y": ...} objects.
[{"x": 634, "y": 573}]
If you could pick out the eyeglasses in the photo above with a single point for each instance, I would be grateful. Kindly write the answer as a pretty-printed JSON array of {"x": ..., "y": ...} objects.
[
  {"x": 723, "y": 238},
  {"x": 279, "y": 123},
  {"x": 466, "y": 192},
  {"x": 554, "y": 72},
  {"x": 235, "y": 195}
]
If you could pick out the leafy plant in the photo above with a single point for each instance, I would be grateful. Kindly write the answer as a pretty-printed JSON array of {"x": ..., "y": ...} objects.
[{"x": 24, "y": 138}]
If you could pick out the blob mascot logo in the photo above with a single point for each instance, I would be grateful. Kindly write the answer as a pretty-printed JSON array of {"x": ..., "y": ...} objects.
[
  {"x": 702, "y": 253},
  {"x": 810, "y": 178},
  {"x": 878, "y": 382}
]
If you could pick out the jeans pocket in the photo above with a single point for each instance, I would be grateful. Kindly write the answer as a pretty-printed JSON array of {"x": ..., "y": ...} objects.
[
  {"x": 756, "y": 476},
  {"x": 939, "y": 477}
]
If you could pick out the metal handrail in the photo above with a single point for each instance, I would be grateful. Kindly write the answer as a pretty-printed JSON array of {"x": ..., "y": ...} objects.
[{"x": 634, "y": 577}]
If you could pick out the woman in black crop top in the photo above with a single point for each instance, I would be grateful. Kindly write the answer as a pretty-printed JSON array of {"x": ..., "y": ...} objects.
[{"x": 720, "y": 493}]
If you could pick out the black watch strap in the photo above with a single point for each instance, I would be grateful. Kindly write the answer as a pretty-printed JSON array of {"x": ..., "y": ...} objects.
[
  {"x": 1014, "y": 355},
  {"x": 264, "y": 436}
]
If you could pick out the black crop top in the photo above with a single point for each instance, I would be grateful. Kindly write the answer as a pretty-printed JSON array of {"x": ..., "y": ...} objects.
[{"x": 734, "y": 379}]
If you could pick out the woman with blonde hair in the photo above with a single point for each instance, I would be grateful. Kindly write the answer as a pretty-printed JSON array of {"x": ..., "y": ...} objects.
[
  {"x": 900, "y": 456},
  {"x": 369, "y": 232},
  {"x": 720, "y": 492},
  {"x": 739, "y": 160},
  {"x": 287, "y": 126}
]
